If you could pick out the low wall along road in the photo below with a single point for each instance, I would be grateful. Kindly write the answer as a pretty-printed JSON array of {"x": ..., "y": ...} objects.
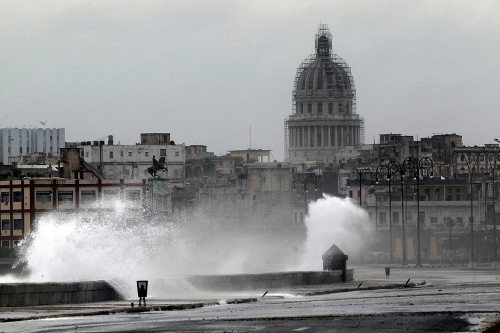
[
  {"x": 31, "y": 294},
  {"x": 28, "y": 294}
]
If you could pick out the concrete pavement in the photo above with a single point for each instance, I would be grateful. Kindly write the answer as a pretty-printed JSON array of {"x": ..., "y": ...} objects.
[{"x": 10, "y": 314}]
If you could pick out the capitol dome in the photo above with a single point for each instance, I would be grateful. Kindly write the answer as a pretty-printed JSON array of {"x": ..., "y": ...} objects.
[
  {"x": 323, "y": 120},
  {"x": 323, "y": 72}
]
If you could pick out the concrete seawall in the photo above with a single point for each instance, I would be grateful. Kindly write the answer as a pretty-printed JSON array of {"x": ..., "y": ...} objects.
[
  {"x": 29, "y": 294},
  {"x": 32, "y": 294},
  {"x": 268, "y": 280}
]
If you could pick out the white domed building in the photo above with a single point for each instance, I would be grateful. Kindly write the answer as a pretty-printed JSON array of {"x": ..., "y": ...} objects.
[{"x": 324, "y": 119}]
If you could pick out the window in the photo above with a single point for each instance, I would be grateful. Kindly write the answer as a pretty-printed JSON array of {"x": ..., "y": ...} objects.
[
  {"x": 87, "y": 195},
  {"x": 20, "y": 150},
  {"x": 449, "y": 196},
  {"x": 320, "y": 108},
  {"x": 163, "y": 152},
  {"x": 330, "y": 108},
  {"x": 5, "y": 197},
  {"x": 395, "y": 217},
  {"x": 110, "y": 154},
  {"x": 129, "y": 153},
  {"x": 422, "y": 217},
  {"x": 457, "y": 194},
  {"x": 176, "y": 153},
  {"x": 134, "y": 195},
  {"x": 341, "y": 108},
  {"x": 17, "y": 196},
  {"x": 437, "y": 194},
  {"x": 111, "y": 193},
  {"x": 5, "y": 224},
  {"x": 382, "y": 218},
  {"x": 459, "y": 220},
  {"x": 301, "y": 107},
  {"x": 127, "y": 172},
  {"x": 409, "y": 217},
  {"x": 5, "y": 243},
  {"x": 146, "y": 153},
  {"x": 18, "y": 224},
  {"x": 121, "y": 153},
  {"x": 176, "y": 172},
  {"x": 43, "y": 196},
  {"x": 65, "y": 196},
  {"x": 309, "y": 108}
]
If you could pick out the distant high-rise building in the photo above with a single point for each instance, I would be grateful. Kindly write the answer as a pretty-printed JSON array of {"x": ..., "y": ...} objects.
[
  {"x": 324, "y": 120},
  {"x": 17, "y": 142}
]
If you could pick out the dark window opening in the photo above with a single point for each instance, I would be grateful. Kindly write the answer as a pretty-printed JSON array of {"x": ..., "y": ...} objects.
[
  {"x": 87, "y": 195},
  {"x": 18, "y": 224},
  {"x": 43, "y": 196},
  {"x": 65, "y": 196},
  {"x": 5, "y": 224},
  {"x": 5, "y": 197}
]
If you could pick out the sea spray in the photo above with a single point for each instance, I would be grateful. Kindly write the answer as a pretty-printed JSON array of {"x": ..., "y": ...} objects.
[
  {"x": 332, "y": 220},
  {"x": 121, "y": 244},
  {"x": 113, "y": 242}
]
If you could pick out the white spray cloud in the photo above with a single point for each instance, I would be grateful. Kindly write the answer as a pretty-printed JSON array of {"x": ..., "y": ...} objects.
[{"x": 332, "y": 221}]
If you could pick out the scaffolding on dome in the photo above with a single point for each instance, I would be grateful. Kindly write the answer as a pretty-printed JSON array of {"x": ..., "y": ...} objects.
[
  {"x": 286, "y": 139},
  {"x": 324, "y": 31},
  {"x": 337, "y": 60},
  {"x": 362, "y": 132}
]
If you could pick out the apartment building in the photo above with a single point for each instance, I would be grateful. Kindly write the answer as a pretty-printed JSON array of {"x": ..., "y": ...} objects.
[
  {"x": 18, "y": 142},
  {"x": 24, "y": 201}
]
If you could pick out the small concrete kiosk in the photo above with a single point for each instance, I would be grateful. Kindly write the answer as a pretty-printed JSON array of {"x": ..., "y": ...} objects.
[{"x": 335, "y": 260}]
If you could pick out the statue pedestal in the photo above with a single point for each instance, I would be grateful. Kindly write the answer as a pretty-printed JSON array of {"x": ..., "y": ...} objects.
[{"x": 159, "y": 195}]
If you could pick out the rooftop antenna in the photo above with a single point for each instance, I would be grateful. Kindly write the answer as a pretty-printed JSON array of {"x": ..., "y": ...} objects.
[{"x": 250, "y": 137}]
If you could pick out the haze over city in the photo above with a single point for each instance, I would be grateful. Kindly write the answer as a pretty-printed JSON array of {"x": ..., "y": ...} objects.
[{"x": 208, "y": 71}]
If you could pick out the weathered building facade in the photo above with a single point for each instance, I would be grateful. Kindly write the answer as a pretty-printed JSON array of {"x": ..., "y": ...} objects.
[{"x": 24, "y": 201}]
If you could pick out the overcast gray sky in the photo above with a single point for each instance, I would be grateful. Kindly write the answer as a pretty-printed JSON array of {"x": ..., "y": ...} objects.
[{"x": 206, "y": 71}]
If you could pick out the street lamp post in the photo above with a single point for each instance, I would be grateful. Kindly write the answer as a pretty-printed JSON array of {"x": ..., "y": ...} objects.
[
  {"x": 495, "y": 261},
  {"x": 358, "y": 173},
  {"x": 413, "y": 164},
  {"x": 305, "y": 179},
  {"x": 468, "y": 160},
  {"x": 492, "y": 172},
  {"x": 388, "y": 171},
  {"x": 450, "y": 222},
  {"x": 400, "y": 168}
]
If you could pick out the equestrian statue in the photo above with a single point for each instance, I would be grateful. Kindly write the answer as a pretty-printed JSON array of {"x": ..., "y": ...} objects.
[{"x": 157, "y": 166}]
